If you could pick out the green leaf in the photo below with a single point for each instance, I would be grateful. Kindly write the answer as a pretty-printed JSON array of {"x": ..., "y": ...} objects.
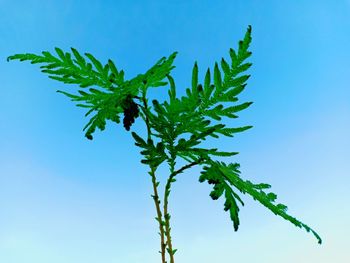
[
  {"x": 60, "y": 53},
  {"x": 83, "y": 93},
  {"x": 222, "y": 154},
  {"x": 172, "y": 91},
  {"x": 218, "y": 191},
  {"x": 121, "y": 76},
  {"x": 229, "y": 173},
  {"x": 160, "y": 83},
  {"x": 105, "y": 71},
  {"x": 50, "y": 66},
  {"x": 83, "y": 105},
  {"x": 217, "y": 79},
  {"x": 96, "y": 63},
  {"x": 239, "y": 107},
  {"x": 49, "y": 56},
  {"x": 74, "y": 97},
  {"x": 282, "y": 207},
  {"x": 244, "y": 67},
  {"x": 194, "y": 77},
  {"x": 80, "y": 60},
  {"x": 262, "y": 186},
  {"x": 233, "y": 57},
  {"x": 68, "y": 58},
  {"x": 243, "y": 45},
  {"x": 207, "y": 79},
  {"x": 113, "y": 68},
  {"x": 236, "y": 90},
  {"x": 272, "y": 196},
  {"x": 237, "y": 81},
  {"x": 188, "y": 92},
  {"x": 229, "y": 131},
  {"x": 230, "y": 204},
  {"x": 58, "y": 78},
  {"x": 225, "y": 67},
  {"x": 96, "y": 91}
]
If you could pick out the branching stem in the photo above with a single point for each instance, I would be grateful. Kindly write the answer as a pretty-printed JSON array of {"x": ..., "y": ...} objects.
[{"x": 154, "y": 183}]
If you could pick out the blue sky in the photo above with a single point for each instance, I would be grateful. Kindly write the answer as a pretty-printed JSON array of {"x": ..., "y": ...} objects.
[{"x": 66, "y": 199}]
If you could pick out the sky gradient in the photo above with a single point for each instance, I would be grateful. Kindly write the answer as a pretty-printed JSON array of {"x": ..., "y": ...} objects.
[{"x": 66, "y": 199}]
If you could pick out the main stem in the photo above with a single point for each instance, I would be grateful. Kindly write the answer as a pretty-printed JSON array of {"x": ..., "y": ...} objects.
[
  {"x": 155, "y": 196},
  {"x": 171, "y": 179},
  {"x": 167, "y": 192},
  {"x": 166, "y": 195}
]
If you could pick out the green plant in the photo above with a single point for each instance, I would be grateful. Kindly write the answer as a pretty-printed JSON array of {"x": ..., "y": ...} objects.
[{"x": 170, "y": 120}]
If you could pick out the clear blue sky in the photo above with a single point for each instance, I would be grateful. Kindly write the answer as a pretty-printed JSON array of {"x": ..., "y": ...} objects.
[{"x": 66, "y": 199}]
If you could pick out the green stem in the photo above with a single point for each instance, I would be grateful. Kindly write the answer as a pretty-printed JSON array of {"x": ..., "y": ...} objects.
[
  {"x": 171, "y": 179},
  {"x": 166, "y": 195},
  {"x": 154, "y": 182}
]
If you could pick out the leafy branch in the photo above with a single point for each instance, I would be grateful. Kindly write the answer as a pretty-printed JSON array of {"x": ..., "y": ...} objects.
[
  {"x": 222, "y": 176},
  {"x": 107, "y": 104}
]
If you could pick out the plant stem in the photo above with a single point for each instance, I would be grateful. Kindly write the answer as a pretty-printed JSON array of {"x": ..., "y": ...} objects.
[
  {"x": 166, "y": 195},
  {"x": 159, "y": 214},
  {"x": 171, "y": 179},
  {"x": 155, "y": 196}
]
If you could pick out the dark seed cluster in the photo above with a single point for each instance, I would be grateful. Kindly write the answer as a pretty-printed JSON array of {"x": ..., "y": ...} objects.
[{"x": 131, "y": 112}]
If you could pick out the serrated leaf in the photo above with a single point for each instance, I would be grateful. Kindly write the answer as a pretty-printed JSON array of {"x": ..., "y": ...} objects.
[
  {"x": 139, "y": 140},
  {"x": 113, "y": 68},
  {"x": 78, "y": 57},
  {"x": 121, "y": 76},
  {"x": 239, "y": 107},
  {"x": 68, "y": 94},
  {"x": 194, "y": 77},
  {"x": 272, "y": 196},
  {"x": 95, "y": 62},
  {"x": 83, "y": 93},
  {"x": 237, "y": 81},
  {"x": 218, "y": 190},
  {"x": 60, "y": 53},
  {"x": 83, "y": 105},
  {"x": 223, "y": 153},
  {"x": 243, "y": 45},
  {"x": 50, "y": 66},
  {"x": 172, "y": 91},
  {"x": 68, "y": 58},
  {"x": 49, "y": 56},
  {"x": 207, "y": 79},
  {"x": 96, "y": 91},
  {"x": 217, "y": 78},
  {"x": 262, "y": 186},
  {"x": 282, "y": 207},
  {"x": 233, "y": 57},
  {"x": 244, "y": 67},
  {"x": 225, "y": 67},
  {"x": 235, "y": 91},
  {"x": 57, "y": 78}
]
